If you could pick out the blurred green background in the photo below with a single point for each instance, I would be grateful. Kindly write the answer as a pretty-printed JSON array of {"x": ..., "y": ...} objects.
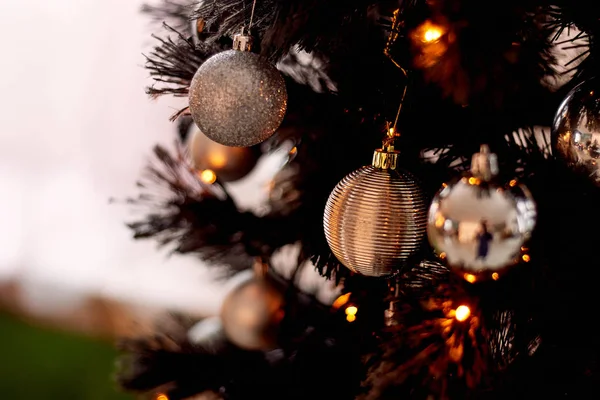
[{"x": 39, "y": 363}]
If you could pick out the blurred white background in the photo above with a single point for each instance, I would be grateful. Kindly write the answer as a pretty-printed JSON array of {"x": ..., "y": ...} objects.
[{"x": 76, "y": 129}]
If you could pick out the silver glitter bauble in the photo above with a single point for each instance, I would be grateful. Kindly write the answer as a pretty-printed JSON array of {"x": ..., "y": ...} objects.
[
  {"x": 478, "y": 226},
  {"x": 237, "y": 98},
  {"x": 375, "y": 218},
  {"x": 228, "y": 163},
  {"x": 251, "y": 315},
  {"x": 576, "y": 128}
]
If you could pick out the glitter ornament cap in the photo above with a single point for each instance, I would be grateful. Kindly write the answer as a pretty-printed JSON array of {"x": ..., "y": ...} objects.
[{"x": 238, "y": 98}]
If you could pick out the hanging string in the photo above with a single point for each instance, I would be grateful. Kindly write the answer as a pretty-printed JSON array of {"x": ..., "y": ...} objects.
[
  {"x": 387, "y": 51},
  {"x": 252, "y": 15}
]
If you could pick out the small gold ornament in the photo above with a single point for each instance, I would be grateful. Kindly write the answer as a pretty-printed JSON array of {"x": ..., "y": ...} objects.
[
  {"x": 228, "y": 163},
  {"x": 236, "y": 97},
  {"x": 252, "y": 312},
  {"x": 478, "y": 226},
  {"x": 576, "y": 129},
  {"x": 375, "y": 218}
]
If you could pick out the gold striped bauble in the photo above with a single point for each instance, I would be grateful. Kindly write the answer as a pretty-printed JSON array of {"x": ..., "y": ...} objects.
[{"x": 376, "y": 217}]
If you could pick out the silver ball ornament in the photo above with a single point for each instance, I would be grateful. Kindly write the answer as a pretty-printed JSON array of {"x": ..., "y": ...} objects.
[
  {"x": 251, "y": 315},
  {"x": 479, "y": 226},
  {"x": 375, "y": 218},
  {"x": 576, "y": 128},
  {"x": 228, "y": 163},
  {"x": 237, "y": 98}
]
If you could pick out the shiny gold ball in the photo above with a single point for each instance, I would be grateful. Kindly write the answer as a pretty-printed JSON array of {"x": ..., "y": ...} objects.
[
  {"x": 375, "y": 220},
  {"x": 576, "y": 128},
  {"x": 228, "y": 163},
  {"x": 251, "y": 315},
  {"x": 237, "y": 98}
]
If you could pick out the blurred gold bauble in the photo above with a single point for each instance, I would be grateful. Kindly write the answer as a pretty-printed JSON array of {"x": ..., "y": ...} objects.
[
  {"x": 228, "y": 163},
  {"x": 375, "y": 218},
  {"x": 576, "y": 128},
  {"x": 251, "y": 315}
]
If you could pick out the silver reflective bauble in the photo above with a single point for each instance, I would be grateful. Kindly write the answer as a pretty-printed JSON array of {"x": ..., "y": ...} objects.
[
  {"x": 375, "y": 218},
  {"x": 237, "y": 98},
  {"x": 576, "y": 128},
  {"x": 251, "y": 315},
  {"x": 479, "y": 226}
]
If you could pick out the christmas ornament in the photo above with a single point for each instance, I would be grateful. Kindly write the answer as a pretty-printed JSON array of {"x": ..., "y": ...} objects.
[
  {"x": 375, "y": 218},
  {"x": 228, "y": 163},
  {"x": 252, "y": 312},
  {"x": 477, "y": 225},
  {"x": 236, "y": 97},
  {"x": 576, "y": 128}
]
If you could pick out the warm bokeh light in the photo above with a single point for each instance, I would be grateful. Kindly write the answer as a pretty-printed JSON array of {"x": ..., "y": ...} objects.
[
  {"x": 341, "y": 301},
  {"x": 470, "y": 278},
  {"x": 462, "y": 313},
  {"x": 208, "y": 176},
  {"x": 526, "y": 258},
  {"x": 351, "y": 310},
  {"x": 473, "y": 181},
  {"x": 293, "y": 151},
  {"x": 351, "y": 313},
  {"x": 430, "y": 32},
  {"x": 513, "y": 183},
  {"x": 442, "y": 255},
  {"x": 495, "y": 276},
  {"x": 162, "y": 397}
]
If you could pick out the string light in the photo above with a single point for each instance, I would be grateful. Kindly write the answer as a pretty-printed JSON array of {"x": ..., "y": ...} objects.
[
  {"x": 462, "y": 313},
  {"x": 526, "y": 257},
  {"x": 162, "y": 397},
  {"x": 470, "y": 278},
  {"x": 208, "y": 176},
  {"x": 351, "y": 313},
  {"x": 430, "y": 32},
  {"x": 495, "y": 276}
]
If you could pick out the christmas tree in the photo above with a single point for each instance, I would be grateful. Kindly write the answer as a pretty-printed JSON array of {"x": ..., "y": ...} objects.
[{"x": 439, "y": 155}]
